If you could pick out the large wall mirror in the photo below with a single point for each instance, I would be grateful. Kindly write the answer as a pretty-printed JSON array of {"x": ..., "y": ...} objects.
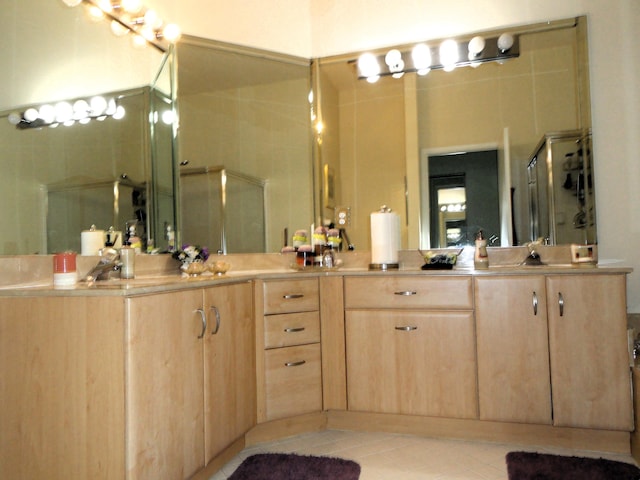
[
  {"x": 59, "y": 181},
  {"x": 449, "y": 150},
  {"x": 245, "y": 129},
  {"x": 245, "y": 146}
]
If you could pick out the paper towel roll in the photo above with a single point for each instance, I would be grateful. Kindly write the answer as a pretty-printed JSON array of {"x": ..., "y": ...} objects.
[
  {"x": 91, "y": 241},
  {"x": 385, "y": 237}
]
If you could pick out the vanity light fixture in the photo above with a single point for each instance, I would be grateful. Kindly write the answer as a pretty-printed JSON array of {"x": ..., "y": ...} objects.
[
  {"x": 67, "y": 113},
  {"x": 450, "y": 54},
  {"x": 130, "y": 16}
]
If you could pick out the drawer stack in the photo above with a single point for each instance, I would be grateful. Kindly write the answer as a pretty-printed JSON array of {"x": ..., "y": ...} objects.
[{"x": 292, "y": 363}]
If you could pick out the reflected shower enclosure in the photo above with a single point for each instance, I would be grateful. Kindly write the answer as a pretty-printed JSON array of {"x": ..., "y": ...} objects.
[{"x": 223, "y": 210}]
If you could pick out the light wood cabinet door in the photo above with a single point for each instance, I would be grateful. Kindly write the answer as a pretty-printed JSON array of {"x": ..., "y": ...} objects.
[
  {"x": 513, "y": 350},
  {"x": 61, "y": 388},
  {"x": 229, "y": 366},
  {"x": 411, "y": 362},
  {"x": 588, "y": 343},
  {"x": 164, "y": 362}
]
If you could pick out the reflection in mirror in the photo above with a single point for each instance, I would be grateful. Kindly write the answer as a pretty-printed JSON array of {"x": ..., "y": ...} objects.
[
  {"x": 55, "y": 54},
  {"x": 244, "y": 113},
  {"x": 377, "y": 137}
]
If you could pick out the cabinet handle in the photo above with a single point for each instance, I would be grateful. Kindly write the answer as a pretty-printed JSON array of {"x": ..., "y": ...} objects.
[
  {"x": 217, "y": 313},
  {"x": 295, "y": 364},
  {"x": 407, "y": 328},
  {"x": 294, "y": 329},
  {"x": 535, "y": 303},
  {"x": 203, "y": 317},
  {"x": 292, "y": 295},
  {"x": 561, "y": 303},
  {"x": 406, "y": 293}
]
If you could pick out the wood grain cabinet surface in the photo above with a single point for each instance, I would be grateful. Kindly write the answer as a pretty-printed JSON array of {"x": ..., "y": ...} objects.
[
  {"x": 411, "y": 346},
  {"x": 191, "y": 377},
  {"x": 553, "y": 350},
  {"x": 290, "y": 368},
  {"x": 62, "y": 388}
]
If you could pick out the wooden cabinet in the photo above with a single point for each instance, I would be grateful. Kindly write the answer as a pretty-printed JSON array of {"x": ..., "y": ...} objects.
[
  {"x": 513, "y": 351},
  {"x": 288, "y": 342},
  {"x": 567, "y": 364},
  {"x": 62, "y": 388},
  {"x": 229, "y": 368},
  {"x": 165, "y": 391},
  {"x": 191, "y": 383},
  {"x": 590, "y": 376},
  {"x": 411, "y": 346}
]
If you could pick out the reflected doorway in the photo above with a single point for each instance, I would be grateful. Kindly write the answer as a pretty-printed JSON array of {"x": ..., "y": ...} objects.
[{"x": 463, "y": 197}]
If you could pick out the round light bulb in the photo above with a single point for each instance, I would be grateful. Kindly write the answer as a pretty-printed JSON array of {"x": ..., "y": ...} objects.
[
  {"x": 80, "y": 109},
  {"x": 449, "y": 54},
  {"x": 14, "y": 118},
  {"x": 393, "y": 57},
  {"x": 152, "y": 19},
  {"x": 171, "y": 32},
  {"x": 138, "y": 41},
  {"x": 98, "y": 105},
  {"x": 30, "y": 115},
  {"x": 119, "y": 112},
  {"x": 72, "y": 3},
  {"x": 64, "y": 112},
  {"x": 368, "y": 65},
  {"x": 421, "y": 57},
  {"x": 47, "y": 113},
  {"x": 505, "y": 42},
  {"x": 167, "y": 117},
  {"x": 476, "y": 46},
  {"x": 131, "y": 6}
]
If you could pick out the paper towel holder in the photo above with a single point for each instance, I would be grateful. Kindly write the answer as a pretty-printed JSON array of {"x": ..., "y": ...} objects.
[{"x": 384, "y": 266}]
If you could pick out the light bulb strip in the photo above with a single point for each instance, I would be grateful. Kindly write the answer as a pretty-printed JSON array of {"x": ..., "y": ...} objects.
[
  {"x": 34, "y": 116},
  {"x": 490, "y": 53},
  {"x": 136, "y": 23}
]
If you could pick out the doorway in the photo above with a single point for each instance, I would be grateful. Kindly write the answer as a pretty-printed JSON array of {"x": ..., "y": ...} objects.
[{"x": 463, "y": 197}]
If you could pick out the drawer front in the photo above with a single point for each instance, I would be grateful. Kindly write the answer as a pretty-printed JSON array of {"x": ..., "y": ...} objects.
[
  {"x": 284, "y": 296},
  {"x": 287, "y": 329},
  {"x": 409, "y": 292},
  {"x": 293, "y": 381}
]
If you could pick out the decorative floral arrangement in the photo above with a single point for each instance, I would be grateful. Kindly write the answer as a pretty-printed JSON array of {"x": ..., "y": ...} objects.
[{"x": 191, "y": 253}]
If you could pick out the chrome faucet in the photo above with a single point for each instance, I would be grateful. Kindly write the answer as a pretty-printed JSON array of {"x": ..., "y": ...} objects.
[{"x": 109, "y": 262}]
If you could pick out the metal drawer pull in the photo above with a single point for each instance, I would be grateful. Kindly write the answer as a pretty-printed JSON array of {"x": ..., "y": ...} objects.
[
  {"x": 407, "y": 328},
  {"x": 535, "y": 303},
  {"x": 561, "y": 303},
  {"x": 294, "y": 329},
  {"x": 217, "y": 312},
  {"x": 292, "y": 295},
  {"x": 406, "y": 293},
  {"x": 295, "y": 364},
  {"x": 203, "y": 317}
]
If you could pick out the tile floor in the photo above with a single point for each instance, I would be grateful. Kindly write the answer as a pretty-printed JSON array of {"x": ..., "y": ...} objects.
[{"x": 384, "y": 456}]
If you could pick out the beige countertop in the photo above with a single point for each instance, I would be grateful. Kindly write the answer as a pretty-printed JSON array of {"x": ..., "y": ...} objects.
[{"x": 158, "y": 283}]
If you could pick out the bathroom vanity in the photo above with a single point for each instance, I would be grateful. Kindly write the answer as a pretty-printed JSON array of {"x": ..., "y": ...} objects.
[{"x": 171, "y": 378}]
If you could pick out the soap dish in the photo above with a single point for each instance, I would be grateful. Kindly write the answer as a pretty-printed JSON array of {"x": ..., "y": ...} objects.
[{"x": 442, "y": 259}]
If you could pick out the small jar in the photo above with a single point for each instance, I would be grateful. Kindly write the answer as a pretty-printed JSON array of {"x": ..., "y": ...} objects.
[
  {"x": 304, "y": 255},
  {"x": 65, "y": 274}
]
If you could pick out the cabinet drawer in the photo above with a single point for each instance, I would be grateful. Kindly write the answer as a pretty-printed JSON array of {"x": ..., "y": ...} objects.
[
  {"x": 289, "y": 329},
  {"x": 291, "y": 296},
  {"x": 409, "y": 292},
  {"x": 293, "y": 381}
]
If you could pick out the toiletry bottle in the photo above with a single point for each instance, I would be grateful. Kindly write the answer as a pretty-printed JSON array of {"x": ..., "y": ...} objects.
[
  {"x": 480, "y": 257},
  {"x": 128, "y": 259}
]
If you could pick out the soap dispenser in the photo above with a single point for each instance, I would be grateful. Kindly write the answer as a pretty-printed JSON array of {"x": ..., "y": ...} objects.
[{"x": 481, "y": 257}]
